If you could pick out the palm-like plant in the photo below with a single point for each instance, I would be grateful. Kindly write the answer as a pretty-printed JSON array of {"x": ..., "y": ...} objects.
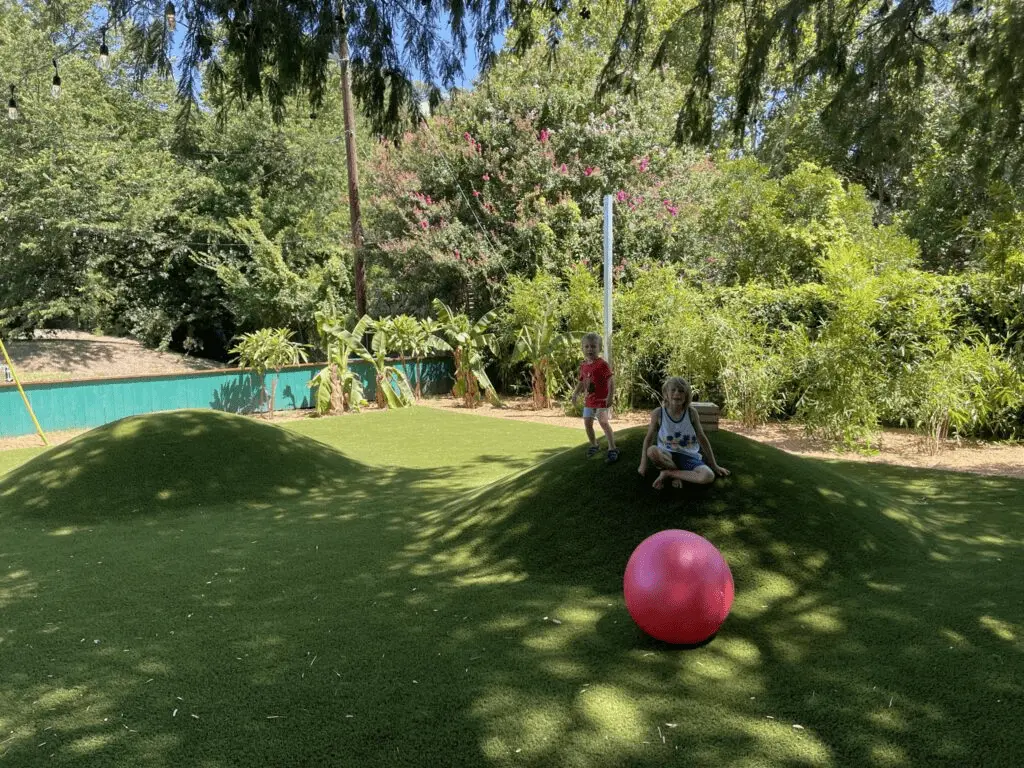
[
  {"x": 541, "y": 346},
  {"x": 424, "y": 343},
  {"x": 468, "y": 341},
  {"x": 268, "y": 349},
  {"x": 336, "y": 385},
  {"x": 403, "y": 333}
]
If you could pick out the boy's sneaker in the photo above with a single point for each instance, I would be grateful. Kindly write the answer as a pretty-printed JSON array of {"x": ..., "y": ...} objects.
[
  {"x": 592, "y": 451},
  {"x": 613, "y": 455}
]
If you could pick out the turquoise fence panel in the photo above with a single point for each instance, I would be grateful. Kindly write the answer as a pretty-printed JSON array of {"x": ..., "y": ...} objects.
[{"x": 90, "y": 403}]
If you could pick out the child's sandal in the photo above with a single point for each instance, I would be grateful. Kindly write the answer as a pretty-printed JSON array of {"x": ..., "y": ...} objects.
[
  {"x": 613, "y": 455},
  {"x": 592, "y": 451}
]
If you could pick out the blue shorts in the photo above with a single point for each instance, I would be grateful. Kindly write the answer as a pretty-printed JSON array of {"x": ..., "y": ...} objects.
[
  {"x": 686, "y": 462},
  {"x": 594, "y": 413}
]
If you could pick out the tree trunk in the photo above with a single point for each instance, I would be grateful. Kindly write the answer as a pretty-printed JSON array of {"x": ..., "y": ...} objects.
[
  {"x": 540, "y": 393},
  {"x": 355, "y": 215},
  {"x": 337, "y": 396}
]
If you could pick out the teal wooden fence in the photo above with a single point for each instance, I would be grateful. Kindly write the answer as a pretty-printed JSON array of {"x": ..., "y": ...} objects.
[{"x": 85, "y": 403}]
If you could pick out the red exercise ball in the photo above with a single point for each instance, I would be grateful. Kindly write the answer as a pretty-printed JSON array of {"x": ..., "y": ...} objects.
[{"x": 678, "y": 587}]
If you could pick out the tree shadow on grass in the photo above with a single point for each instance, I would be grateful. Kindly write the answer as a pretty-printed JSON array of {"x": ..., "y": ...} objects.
[
  {"x": 158, "y": 614},
  {"x": 312, "y": 610},
  {"x": 875, "y": 620}
]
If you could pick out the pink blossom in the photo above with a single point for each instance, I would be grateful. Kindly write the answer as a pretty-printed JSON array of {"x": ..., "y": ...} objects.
[
  {"x": 622, "y": 196},
  {"x": 476, "y": 193},
  {"x": 544, "y": 135},
  {"x": 589, "y": 170},
  {"x": 487, "y": 177},
  {"x": 457, "y": 254},
  {"x": 563, "y": 168},
  {"x": 467, "y": 137},
  {"x": 644, "y": 162},
  {"x": 423, "y": 224}
]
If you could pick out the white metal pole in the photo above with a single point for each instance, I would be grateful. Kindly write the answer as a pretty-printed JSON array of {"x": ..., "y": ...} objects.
[{"x": 608, "y": 279}]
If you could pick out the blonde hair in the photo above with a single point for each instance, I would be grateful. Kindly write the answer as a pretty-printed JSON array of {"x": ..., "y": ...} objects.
[
  {"x": 591, "y": 337},
  {"x": 677, "y": 382}
]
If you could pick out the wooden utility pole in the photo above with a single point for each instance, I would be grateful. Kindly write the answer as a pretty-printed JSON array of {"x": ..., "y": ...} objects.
[{"x": 355, "y": 215}]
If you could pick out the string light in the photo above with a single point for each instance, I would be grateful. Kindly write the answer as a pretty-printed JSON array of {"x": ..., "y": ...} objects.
[
  {"x": 169, "y": 16},
  {"x": 104, "y": 51},
  {"x": 12, "y": 106},
  {"x": 55, "y": 88}
]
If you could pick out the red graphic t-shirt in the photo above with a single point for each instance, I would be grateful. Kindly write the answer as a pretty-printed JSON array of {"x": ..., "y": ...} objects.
[{"x": 595, "y": 377}]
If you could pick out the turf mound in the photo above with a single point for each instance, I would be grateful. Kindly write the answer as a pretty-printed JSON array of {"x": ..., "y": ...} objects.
[
  {"x": 166, "y": 461},
  {"x": 578, "y": 520}
]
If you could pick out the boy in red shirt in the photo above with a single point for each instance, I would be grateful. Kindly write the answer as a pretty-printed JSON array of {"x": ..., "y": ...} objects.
[{"x": 597, "y": 380}]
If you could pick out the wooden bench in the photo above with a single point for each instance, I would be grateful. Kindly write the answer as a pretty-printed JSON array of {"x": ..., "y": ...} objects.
[{"x": 708, "y": 413}]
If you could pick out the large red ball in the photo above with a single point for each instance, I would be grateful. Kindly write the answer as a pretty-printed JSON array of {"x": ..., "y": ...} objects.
[{"x": 678, "y": 587}]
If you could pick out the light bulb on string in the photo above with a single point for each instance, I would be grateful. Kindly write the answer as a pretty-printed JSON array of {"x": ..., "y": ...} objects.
[
  {"x": 55, "y": 88},
  {"x": 12, "y": 106},
  {"x": 104, "y": 51},
  {"x": 169, "y": 16}
]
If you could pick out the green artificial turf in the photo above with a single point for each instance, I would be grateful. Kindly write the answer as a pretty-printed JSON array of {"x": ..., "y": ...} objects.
[{"x": 426, "y": 588}]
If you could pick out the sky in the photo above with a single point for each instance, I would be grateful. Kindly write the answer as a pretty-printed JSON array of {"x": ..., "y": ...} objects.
[{"x": 471, "y": 64}]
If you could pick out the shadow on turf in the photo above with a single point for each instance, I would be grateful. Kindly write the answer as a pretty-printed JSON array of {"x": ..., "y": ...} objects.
[
  {"x": 877, "y": 617},
  {"x": 431, "y": 622}
]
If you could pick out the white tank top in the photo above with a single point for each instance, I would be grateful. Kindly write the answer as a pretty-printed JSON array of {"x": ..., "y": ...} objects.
[{"x": 678, "y": 436}]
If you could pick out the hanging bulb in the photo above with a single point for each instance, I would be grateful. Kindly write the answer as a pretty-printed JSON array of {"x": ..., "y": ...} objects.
[
  {"x": 104, "y": 51},
  {"x": 169, "y": 16},
  {"x": 55, "y": 88},
  {"x": 12, "y": 106}
]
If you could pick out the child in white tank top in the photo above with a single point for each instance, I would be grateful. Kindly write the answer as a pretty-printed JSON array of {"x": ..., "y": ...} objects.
[{"x": 675, "y": 441}]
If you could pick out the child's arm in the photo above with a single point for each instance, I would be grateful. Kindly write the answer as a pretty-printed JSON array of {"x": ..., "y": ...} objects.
[
  {"x": 611, "y": 392},
  {"x": 652, "y": 433},
  {"x": 705, "y": 446},
  {"x": 577, "y": 390}
]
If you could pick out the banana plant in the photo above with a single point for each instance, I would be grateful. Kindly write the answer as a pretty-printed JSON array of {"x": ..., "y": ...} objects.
[
  {"x": 541, "y": 347},
  {"x": 337, "y": 386},
  {"x": 393, "y": 390},
  {"x": 468, "y": 341}
]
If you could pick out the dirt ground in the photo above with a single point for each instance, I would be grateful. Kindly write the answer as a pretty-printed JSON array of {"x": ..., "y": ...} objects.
[
  {"x": 901, "y": 447},
  {"x": 80, "y": 355},
  {"x": 63, "y": 355}
]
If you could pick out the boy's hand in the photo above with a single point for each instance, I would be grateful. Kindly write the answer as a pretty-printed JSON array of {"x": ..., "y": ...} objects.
[
  {"x": 642, "y": 469},
  {"x": 721, "y": 471}
]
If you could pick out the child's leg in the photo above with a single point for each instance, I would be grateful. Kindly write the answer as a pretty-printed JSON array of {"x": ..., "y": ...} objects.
[
  {"x": 702, "y": 475},
  {"x": 660, "y": 458},
  {"x": 588, "y": 424},
  {"x": 602, "y": 417}
]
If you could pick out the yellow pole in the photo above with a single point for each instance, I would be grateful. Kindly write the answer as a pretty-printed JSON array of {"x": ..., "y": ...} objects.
[{"x": 24, "y": 397}]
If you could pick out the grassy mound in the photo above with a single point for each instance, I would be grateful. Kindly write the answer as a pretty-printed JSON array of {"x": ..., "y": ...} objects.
[
  {"x": 164, "y": 461},
  {"x": 578, "y": 520},
  {"x": 425, "y": 607}
]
